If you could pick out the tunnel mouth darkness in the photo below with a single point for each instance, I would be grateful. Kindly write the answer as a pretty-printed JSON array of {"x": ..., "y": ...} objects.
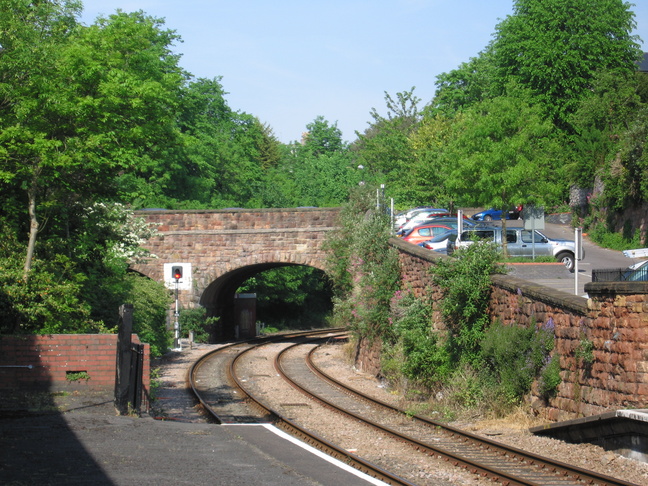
[{"x": 267, "y": 296}]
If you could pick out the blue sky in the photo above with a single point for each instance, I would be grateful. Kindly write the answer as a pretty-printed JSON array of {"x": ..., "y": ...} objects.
[{"x": 287, "y": 61}]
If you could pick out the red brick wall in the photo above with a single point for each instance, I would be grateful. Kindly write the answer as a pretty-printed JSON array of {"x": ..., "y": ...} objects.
[{"x": 53, "y": 356}]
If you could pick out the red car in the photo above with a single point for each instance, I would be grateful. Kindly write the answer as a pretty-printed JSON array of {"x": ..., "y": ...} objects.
[{"x": 425, "y": 232}]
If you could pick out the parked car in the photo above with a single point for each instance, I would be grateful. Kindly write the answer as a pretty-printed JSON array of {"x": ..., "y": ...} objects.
[
  {"x": 404, "y": 216},
  {"x": 440, "y": 241},
  {"x": 522, "y": 243},
  {"x": 493, "y": 214},
  {"x": 435, "y": 219},
  {"x": 425, "y": 232},
  {"x": 421, "y": 216}
]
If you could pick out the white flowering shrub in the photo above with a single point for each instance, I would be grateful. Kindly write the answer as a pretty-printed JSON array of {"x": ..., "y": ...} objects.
[{"x": 123, "y": 232}]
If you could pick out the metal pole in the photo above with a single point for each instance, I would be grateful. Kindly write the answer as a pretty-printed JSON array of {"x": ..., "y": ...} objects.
[
  {"x": 176, "y": 324},
  {"x": 578, "y": 242}
]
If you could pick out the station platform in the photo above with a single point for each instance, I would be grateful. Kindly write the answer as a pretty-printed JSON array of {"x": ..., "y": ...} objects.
[{"x": 622, "y": 431}]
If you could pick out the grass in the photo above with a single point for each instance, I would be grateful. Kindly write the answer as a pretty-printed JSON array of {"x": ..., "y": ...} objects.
[{"x": 538, "y": 259}]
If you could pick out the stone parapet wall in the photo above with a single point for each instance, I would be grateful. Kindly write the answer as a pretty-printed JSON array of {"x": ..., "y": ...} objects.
[
  {"x": 612, "y": 324},
  {"x": 240, "y": 219},
  {"x": 368, "y": 357},
  {"x": 220, "y": 242}
]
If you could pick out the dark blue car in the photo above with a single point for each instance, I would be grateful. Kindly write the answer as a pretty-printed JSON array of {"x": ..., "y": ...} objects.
[{"x": 493, "y": 214}]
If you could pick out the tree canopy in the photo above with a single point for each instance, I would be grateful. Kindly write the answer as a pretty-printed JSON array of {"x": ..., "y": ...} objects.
[{"x": 98, "y": 120}]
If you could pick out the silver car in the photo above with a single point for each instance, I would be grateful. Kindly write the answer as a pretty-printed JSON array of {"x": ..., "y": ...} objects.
[{"x": 522, "y": 243}]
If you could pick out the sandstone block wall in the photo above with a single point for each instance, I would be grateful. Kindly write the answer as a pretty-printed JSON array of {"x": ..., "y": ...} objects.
[
  {"x": 220, "y": 241},
  {"x": 612, "y": 324}
]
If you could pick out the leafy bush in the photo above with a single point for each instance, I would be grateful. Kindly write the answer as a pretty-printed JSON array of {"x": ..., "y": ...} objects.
[
  {"x": 151, "y": 302},
  {"x": 550, "y": 377},
  {"x": 196, "y": 320},
  {"x": 46, "y": 303},
  {"x": 465, "y": 282},
  {"x": 268, "y": 330},
  {"x": 625, "y": 240},
  {"x": 364, "y": 268},
  {"x": 515, "y": 355},
  {"x": 423, "y": 359}
]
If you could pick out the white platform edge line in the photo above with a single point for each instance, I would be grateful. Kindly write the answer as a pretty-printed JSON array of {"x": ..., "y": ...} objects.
[{"x": 316, "y": 452}]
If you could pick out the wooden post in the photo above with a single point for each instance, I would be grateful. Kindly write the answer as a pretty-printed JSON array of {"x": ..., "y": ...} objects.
[{"x": 122, "y": 372}]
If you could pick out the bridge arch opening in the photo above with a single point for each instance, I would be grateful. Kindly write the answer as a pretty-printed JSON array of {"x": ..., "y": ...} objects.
[{"x": 309, "y": 296}]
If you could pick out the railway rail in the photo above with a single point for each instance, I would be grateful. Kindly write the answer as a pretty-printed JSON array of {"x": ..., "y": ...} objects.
[{"x": 238, "y": 398}]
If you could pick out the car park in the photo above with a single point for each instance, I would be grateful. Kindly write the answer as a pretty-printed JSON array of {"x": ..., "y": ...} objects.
[
  {"x": 493, "y": 214},
  {"x": 422, "y": 216},
  {"x": 522, "y": 243}
]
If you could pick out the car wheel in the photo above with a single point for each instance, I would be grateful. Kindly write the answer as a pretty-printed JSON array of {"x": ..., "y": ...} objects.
[
  {"x": 567, "y": 259},
  {"x": 488, "y": 217}
]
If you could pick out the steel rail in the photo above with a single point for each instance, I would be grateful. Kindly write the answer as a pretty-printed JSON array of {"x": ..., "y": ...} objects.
[
  {"x": 195, "y": 367},
  {"x": 543, "y": 462},
  {"x": 281, "y": 421},
  {"x": 555, "y": 467},
  {"x": 423, "y": 447}
]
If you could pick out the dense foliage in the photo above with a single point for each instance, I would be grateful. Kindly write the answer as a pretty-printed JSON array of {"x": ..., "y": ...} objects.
[
  {"x": 363, "y": 267},
  {"x": 101, "y": 119},
  {"x": 463, "y": 360}
]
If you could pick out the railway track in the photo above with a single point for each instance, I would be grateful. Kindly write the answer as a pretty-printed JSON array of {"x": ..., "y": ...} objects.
[{"x": 250, "y": 383}]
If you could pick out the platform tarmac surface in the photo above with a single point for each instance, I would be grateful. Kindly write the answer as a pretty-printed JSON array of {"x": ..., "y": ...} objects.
[{"x": 78, "y": 439}]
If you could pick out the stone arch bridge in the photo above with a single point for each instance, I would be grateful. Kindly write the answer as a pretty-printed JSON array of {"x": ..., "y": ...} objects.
[{"x": 219, "y": 249}]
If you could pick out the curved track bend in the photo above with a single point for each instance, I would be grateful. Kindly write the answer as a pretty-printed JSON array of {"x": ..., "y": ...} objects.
[{"x": 242, "y": 385}]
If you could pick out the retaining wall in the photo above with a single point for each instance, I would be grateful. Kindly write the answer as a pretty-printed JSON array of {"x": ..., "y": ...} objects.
[
  {"x": 56, "y": 358},
  {"x": 613, "y": 321}
]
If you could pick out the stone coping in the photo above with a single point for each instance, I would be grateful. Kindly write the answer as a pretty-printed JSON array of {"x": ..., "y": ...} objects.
[
  {"x": 233, "y": 210},
  {"x": 617, "y": 288},
  {"x": 542, "y": 293},
  {"x": 528, "y": 289}
]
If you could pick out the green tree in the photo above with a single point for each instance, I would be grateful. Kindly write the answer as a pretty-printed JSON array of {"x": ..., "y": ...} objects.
[
  {"x": 602, "y": 118},
  {"x": 425, "y": 183},
  {"x": 555, "y": 48},
  {"x": 225, "y": 152},
  {"x": 322, "y": 138},
  {"x": 383, "y": 150},
  {"x": 502, "y": 153},
  {"x": 318, "y": 171},
  {"x": 79, "y": 105},
  {"x": 460, "y": 88}
]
